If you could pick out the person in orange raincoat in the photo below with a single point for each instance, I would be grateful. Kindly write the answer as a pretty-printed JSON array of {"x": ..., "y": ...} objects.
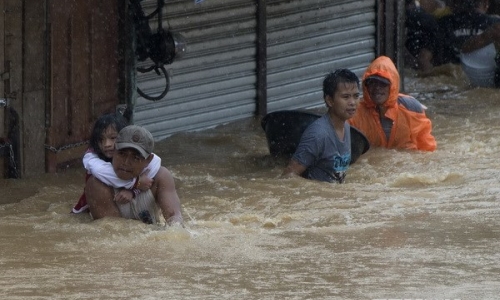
[{"x": 388, "y": 118}]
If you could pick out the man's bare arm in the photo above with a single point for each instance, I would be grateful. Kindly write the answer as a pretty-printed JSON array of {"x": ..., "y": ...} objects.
[
  {"x": 100, "y": 198},
  {"x": 166, "y": 196},
  {"x": 490, "y": 35},
  {"x": 294, "y": 168}
]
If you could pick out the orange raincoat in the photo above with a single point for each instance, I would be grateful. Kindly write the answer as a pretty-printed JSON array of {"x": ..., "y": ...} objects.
[{"x": 410, "y": 129}]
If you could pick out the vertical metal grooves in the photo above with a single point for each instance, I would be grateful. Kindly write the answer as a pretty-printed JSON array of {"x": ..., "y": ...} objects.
[
  {"x": 308, "y": 39},
  {"x": 215, "y": 82}
]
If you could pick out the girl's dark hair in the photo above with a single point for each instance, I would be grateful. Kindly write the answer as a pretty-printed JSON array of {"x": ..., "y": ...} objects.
[
  {"x": 116, "y": 120},
  {"x": 332, "y": 80}
]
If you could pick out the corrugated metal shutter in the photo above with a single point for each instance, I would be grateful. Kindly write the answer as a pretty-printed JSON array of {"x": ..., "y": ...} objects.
[
  {"x": 309, "y": 38},
  {"x": 214, "y": 82}
]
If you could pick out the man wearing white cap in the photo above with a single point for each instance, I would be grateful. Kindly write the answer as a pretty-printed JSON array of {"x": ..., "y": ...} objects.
[{"x": 132, "y": 158}]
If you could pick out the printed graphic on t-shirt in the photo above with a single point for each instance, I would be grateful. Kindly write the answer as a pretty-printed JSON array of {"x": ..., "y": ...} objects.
[{"x": 340, "y": 166}]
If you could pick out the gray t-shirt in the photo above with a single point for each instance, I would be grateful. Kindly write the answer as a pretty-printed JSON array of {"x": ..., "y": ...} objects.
[{"x": 320, "y": 150}]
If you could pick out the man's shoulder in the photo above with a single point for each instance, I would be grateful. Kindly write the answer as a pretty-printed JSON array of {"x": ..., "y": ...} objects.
[
  {"x": 315, "y": 133},
  {"x": 494, "y": 19},
  {"x": 319, "y": 126},
  {"x": 153, "y": 166},
  {"x": 465, "y": 20},
  {"x": 410, "y": 103},
  {"x": 484, "y": 20}
]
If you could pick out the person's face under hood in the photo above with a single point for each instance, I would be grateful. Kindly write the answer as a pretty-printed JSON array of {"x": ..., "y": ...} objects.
[
  {"x": 383, "y": 69},
  {"x": 378, "y": 91}
]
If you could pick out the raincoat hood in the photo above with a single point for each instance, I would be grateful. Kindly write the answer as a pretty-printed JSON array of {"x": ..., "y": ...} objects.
[
  {"x": 409, "y": 126},
  {"x": 383, "y": 67}
]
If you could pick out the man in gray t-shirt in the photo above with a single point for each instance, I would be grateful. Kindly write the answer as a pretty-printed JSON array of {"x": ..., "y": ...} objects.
[
  {"x": 324, "y": 151},
  {"x": 320, "y": 148}
]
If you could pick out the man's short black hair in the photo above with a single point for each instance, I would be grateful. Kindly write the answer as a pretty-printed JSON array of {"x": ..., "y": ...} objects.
[{"x": 332, "y": 80}]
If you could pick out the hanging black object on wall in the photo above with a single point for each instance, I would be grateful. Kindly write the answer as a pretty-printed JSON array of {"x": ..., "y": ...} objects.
[{"x": 161, "y": 47}]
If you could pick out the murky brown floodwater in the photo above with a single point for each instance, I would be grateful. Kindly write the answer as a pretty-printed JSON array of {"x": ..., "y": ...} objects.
[{"x": 405, "y": 225}]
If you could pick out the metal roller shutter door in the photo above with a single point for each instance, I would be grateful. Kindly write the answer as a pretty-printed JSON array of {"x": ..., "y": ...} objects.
[
  {"x": 307, "y": 39},
  {"x": 214, "y": 82}
]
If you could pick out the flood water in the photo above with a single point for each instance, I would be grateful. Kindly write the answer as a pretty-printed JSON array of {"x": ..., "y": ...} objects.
[{"x": 405, "y": 225}]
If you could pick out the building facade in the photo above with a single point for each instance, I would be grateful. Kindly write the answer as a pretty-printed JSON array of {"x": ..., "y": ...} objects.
[{"x": 68, "y": 61}]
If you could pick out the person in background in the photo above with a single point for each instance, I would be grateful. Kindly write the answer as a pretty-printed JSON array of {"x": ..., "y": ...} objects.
[
  {"x": 423, "y": 39},
  {"x": 100, "y": 152},
  {"x": 473, "y": 37},
  {"x": 387, "y": 117},
  {"x": 324, "y": 151},
  {"x": 134, "y": 156}
]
